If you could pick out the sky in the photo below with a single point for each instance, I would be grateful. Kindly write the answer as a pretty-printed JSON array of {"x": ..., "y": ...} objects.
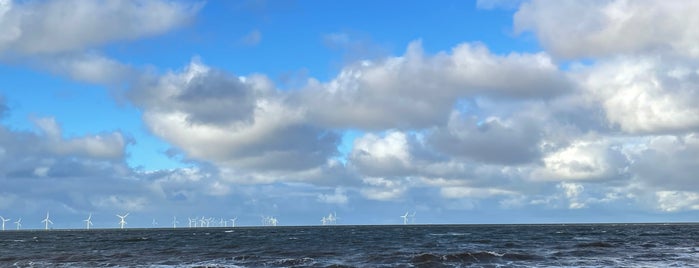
[{"x": 488, "y": 111}]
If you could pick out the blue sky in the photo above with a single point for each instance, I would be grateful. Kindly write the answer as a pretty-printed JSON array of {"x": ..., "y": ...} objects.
[{"x": 492, "y": 111}]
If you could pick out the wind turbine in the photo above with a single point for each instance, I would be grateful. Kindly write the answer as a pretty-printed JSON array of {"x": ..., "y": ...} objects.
[
  {"x": 3, "y": 222},
  {"x": 19, "y": 223},
  {"x": 88, "y": 221},
  {"x": 155, "y": 223},
  {"x": 174, "y": 222},
  {"x": 122, "y": 222},
  {"x": 192, "y": 220},
  {"x": 233, "y": 221},
  {"x": 273, "y": 221},
  {"x": 405, "y": 218},
  {"x": 47, "y": 221}
]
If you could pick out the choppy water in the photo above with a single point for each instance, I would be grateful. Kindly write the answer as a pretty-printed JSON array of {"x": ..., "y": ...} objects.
[{"x": 594, "y": 245}]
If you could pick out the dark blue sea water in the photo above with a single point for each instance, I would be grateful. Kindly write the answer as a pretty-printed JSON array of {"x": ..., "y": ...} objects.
[{"x": 594, "y": 245}]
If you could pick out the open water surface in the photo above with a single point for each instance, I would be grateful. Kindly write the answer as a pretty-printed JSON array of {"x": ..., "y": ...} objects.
[{"x": 579, "y": 245}]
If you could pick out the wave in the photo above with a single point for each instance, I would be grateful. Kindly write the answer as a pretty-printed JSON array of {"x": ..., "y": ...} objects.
[
  {"x": 472, "y": 257},
  {"x": 596, "y": 244}
]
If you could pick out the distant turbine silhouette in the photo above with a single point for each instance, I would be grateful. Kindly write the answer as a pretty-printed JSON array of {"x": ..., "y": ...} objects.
[
  {"x": 155, "y": 223},
  {"x": 47, "y": 221},
  {"x": 233, "y": 221},
  {"x": 174, "y": 222},
  {"x": 122, "y": 222},
  {"x": 19, "y": 223},
  {"x": 269, "y": 221},
  {"x": 3, "y": 222},
  {"x": 88, "y": 222},
  {"x": 405, "y": 218}
]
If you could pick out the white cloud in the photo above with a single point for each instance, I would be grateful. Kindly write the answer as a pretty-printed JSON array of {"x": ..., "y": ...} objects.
[
  {"x": 590, "y": 159},
  {"x": 383, "y": 189},
  {"x": 376, "y": 156},
  {"x": 572, "y": 192},
  {"x": 89, "y": 67},
  {"x": 418, "y": 90},
  {"x": 671, "y": 201},
  {"x": 339, "y": 197},
  {"x": 469, "y": 192},
  {"x": 103, "y": 146},
  {"x": 583, "y": 28},
  {"x": 646, "y": 94},
  {"x": 50, "y": 27}
]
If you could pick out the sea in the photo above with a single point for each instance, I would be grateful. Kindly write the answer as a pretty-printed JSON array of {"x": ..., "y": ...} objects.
[{"x": 549, "y": 245}]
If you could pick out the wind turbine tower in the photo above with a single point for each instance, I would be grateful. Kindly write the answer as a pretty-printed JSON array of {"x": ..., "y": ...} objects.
[
  {"x": 122, "y": 220},
  {"x": 19, "y": 223},
  {"x": 174, "y": 222},
  {"x": 405, "y": 218},
  {"x": 233, "y": 221},
  {"x": 47, "y": 221},
  {"x": 3, "y": 222},
  {"x": 88, "y": 221}
]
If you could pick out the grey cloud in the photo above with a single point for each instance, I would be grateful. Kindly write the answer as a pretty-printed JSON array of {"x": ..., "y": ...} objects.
[
  {"x": 489, "y": 141},
  {"x": 667, "y": 162},
  {"x": 232, "y": 122},
  {"x": 4, "y": 109},
  {"x": 292, "y": 148},
  {"x": 206, "y": 96},
  {"x": 49, "y": 144}
]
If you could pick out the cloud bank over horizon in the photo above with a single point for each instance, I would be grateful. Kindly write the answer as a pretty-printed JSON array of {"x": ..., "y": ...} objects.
[{"x": 598, "y": 124}]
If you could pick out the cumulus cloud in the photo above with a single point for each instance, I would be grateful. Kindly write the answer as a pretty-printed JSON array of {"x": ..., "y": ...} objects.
[
  {"x": 418, "y": 90},
  {"x": 599, "y": 28},
  {"x": 491, "y": 140},
  {"x": 232, "y": 122},
  {"x": 666, "y": 162},
  {"x": 586, "y": 159},
  {"x": 50, "y": 27},
  {"x": 90, "y": 67},
  {"x": 50, "y": 142},
  {"x": 572, "y": 191},
  {"x": 671, "y": 201},
  {"x": 646, "y": 94},
  {"x": 382, "y": 156},
  {"x": 338, "y": 197}
]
